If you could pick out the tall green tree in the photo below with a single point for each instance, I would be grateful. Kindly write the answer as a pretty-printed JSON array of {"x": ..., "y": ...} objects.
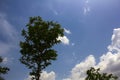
[
  {"x": 94, "y": 74},
  {"x": 37, "y": 48},
  {"x": 3, "y": 70}
]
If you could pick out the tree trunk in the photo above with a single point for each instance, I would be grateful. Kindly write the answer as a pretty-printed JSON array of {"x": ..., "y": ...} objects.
[
  {"x": 38, "y": 73},
  {"x": 38, "y": 77}
]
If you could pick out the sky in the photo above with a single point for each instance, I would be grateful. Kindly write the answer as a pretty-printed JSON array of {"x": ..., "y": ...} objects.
[{"x": 92, "y": 36}]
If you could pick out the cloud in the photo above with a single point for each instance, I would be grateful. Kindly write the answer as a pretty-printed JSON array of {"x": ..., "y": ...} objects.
[
  {"x": 86, "y": 7},
  {"x": 52, "y": 8},
  {"x": 46, "y": 76},
  {"x": 109, "y": 62},
  {"x": 64, "y": 40},
  {"x": 79, "y": 71},
  {"x": 86, "y": 10},
  {"x": 54, "y": 11},
  {"x": 5, "y": 60},
  {"x": 8, "y": 35},
  {"x": 115, "y": 45},
  {"x": 67, "y": 31}
]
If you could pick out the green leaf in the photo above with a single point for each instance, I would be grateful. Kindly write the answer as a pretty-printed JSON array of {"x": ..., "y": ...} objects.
[{"x": 37, "y": 47}]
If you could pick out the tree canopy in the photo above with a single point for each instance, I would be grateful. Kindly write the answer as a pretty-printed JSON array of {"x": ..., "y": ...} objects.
[
  {"x": 37, "y": 48},
  {"x": 94, "y": 74}
]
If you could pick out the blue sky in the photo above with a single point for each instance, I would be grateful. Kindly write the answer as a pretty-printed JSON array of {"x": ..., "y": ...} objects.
[{"x": 91, "y": 36}]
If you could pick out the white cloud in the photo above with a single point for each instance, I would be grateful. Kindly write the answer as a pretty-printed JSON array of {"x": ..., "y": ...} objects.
[
  {"x": 86, "y": 10},
  {"x": 5, "y": 60},
  {"x": 86, "y": 7},
  {"x": 115, "y": 45},
  {"x": 109, "y": 62},
  {"x": 79, "y": 71},
  {"x": 46, "y": 76},
  {"x": 64, "y": 40},
  {"x": 8, "y": 35},
  {"x": 67, "y": 31}
]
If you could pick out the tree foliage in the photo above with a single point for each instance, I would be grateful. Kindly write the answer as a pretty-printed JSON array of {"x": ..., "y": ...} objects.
[
  {"x": 94, "y": 74},
  {"x": 3, "y": 70},
  {"x": 37, "y": 48}
]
